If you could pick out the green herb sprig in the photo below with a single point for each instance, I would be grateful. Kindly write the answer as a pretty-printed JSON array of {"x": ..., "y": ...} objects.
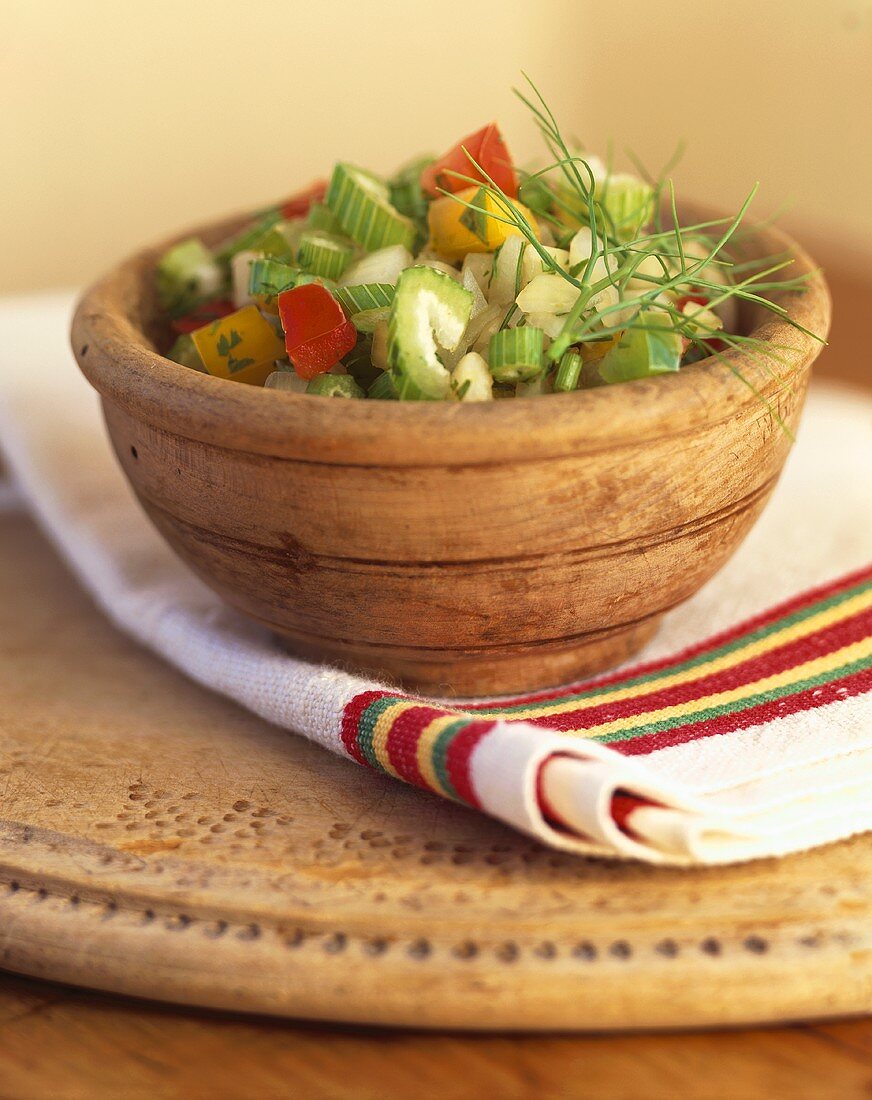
[{"x": 576, "y": 201}]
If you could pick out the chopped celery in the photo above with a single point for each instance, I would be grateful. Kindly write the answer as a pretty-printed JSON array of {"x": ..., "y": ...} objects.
[
  {"x": 359, "y": 363},
  {"x": 568, "y": 372},
  {"x": 252, "y": 237},
  {"x": 334, "y": 385},
  {"x": 536, "y": 387},
  {"x": 368, "y": 320},
  {"x": 383, "y": 388},
  {"x": 535, "y": 193},
  {"x": 355, "y": 299},
  {"x": 186, "y": 275},
  {"x": 430, "y": 310},
  {"x": 184, "y": 351},
  {"x": 642, "y": 352},
  {"x": 287, "y": 380},
  {"x": 380, "y": 346},
  {"x": 628, "y": 203},
  {"x": 323, "y": 255},
  {"x": 515, "y": 354},
  {"x": 322, "y": 217},
  {"x": 361, "y": 204},
  {"x": 268, "y": 278},
  {"x": 406, "y": 192}
]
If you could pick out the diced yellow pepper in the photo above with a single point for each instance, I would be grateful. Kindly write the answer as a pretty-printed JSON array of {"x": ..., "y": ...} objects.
[
  {"x": 242, "y": 346},
  {"x": 593, "y": 351},
  {"x": 451, "y": 237}
]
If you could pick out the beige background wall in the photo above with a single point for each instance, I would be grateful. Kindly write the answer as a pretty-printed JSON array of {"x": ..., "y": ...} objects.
[{"x": 122, "y": 121}]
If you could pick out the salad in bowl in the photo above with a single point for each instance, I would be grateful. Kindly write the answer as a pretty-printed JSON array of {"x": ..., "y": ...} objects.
[{"x": 466, "y": 278}]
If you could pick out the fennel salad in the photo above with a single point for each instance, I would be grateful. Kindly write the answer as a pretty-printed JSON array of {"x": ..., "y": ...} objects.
[{"x": 464, "y": 278}]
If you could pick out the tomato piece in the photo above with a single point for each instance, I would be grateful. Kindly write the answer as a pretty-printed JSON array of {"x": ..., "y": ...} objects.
[
  {"x": 488, "y": 149},
  {"x": 317, "y": 334},
  {"x": 202, "y": 315},
  {"x": 298, "y": 205}
]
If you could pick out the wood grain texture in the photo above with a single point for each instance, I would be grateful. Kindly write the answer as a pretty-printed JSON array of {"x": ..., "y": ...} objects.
[
  {"x": 157, "y": 841},
  {"x": 456, "y": 548},
  {"x": 59, "y": 1043}
]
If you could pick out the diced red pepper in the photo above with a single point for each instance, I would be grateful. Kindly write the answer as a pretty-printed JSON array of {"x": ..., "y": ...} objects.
[
  {"x": 488, "y": 149},
  {"x": 202, "y": 315},
  {"x": 298, "y": 205},
  {"x": 317, "y": 335}
]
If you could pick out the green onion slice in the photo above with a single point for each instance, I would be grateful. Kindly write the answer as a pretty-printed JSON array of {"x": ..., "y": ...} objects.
[
  {"x": 362, "y": 207},
  {"x": 515, "y": 354}
]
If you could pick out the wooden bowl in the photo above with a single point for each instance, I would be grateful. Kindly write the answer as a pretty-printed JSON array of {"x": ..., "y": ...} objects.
[{"x": 460, "y": 549}]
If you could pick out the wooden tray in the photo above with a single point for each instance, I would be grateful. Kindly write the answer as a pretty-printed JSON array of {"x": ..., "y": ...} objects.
[{"x": 156, "y": 840}]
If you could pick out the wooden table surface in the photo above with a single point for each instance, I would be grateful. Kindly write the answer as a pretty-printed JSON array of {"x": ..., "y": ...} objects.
[{"x": 66, "y": 1043}]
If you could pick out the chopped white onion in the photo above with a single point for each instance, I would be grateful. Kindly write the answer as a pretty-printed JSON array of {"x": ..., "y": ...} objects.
[
  {"x": 382, "y": 266},
  {"x": 472, "y": 369},
  {"x": 240, "y": 269}
]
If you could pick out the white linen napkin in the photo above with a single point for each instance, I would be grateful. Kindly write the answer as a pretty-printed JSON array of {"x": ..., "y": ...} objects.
[{"x": 799, "y": 778}]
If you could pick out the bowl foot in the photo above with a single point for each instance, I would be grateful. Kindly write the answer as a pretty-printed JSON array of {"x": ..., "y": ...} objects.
[{"x": 464, "y": 673}]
